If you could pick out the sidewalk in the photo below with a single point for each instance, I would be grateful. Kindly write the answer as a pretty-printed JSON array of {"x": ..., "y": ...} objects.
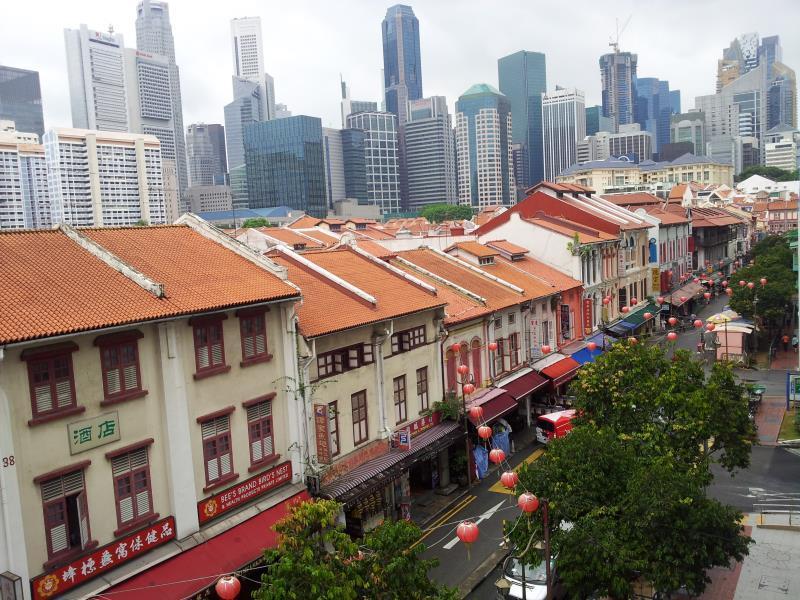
[
  {"x": 769, "y": 418},
  {"x": 784, "y": 361}
]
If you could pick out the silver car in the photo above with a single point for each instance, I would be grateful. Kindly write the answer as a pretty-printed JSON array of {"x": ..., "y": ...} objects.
[{"x": 534, "y": 580}]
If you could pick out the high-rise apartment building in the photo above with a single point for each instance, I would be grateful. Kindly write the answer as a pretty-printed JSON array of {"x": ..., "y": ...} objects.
[
  {"x": 248, "y": 60},
  {"x": 655, "y": 104},
  {"x": 689, "y": 127},
  {"x": 24, "y": 199},
  {"x": 618, "y": 79},
  {"x": 380, "y": 157},
  {"x": 104, "y": 178},
  {"x": 285, "y": 164},
  {"x": 205, "y": 150},
  {"x": 595, "y": 121},
  {"x": 402, "y": 65},
  {"x": 523, "y": 80},
  {"x": 483, "y": 148},
  {"x": 247, "y": 107},
  {"x": 782, "y": 154},
  {"x": 207, "y": 198},
  {"x": 430, "y": 153},
  {"x": 154, "y": 36},
  {"x": 593, "y": 147},
  {"x": 631, "y": 142},
  {"x": 21, "y": 99},
  {"x": 97, "y": 91},
  {"x": 350, "y": 106},
  {"x": 563, "y": 126}
]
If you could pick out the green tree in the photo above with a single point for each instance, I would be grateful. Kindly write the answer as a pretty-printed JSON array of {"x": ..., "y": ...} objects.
[
  {"x": 632, "y": 477},
  {"x": 256, "y": 222},
  {"x": 141, "y": 223},
  {"x": 436, "y": 213},
  {"x": 315, "y": 558},
  {"x": 774, "y": 173}
]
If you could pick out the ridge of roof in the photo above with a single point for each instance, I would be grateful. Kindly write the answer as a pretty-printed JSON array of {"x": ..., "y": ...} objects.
[
  {"x": 385, "y": 265},
  {"x": 442, "y": 280},
  {"x": 475, "y": 269}
]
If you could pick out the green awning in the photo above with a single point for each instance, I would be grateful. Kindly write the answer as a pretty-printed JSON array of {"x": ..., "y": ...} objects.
[{"x": 637, "y": 318}]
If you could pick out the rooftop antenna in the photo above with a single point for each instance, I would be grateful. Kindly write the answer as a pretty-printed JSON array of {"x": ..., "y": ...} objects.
[
  {"x": 614, "y": 42},
  {"x": 111, "y": 30}
]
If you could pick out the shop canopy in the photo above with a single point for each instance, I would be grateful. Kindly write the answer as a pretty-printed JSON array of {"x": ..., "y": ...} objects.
[
  {"x": 585, "y": 355},
  {"x": 621, "y": 328},
  {"x": 525, "y": 384},
  {"x": 379, "y": 472},
  {"x": 723, "y": 317},
  {"x": 562, "y": 371},
  {"x": 637, "y": 318},
  {"x": 688, "y": 291},
  {"x": 495, "y": 402}
]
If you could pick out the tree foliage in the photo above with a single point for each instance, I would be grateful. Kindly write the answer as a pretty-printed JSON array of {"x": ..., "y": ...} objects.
[
  {"x": 774, "y": 173},
  {"x": 436, "y": 213},
  {"x": 631, "y": 478},
  {"x": 315, "y": 558},
  {"x": 256, "y": 222}
]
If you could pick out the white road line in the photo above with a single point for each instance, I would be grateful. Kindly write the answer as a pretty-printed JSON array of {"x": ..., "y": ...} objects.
[{"x": 449, "y": 545}]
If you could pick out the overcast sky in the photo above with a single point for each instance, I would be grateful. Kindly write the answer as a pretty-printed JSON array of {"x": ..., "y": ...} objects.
[{"x": 308, "y": 43}]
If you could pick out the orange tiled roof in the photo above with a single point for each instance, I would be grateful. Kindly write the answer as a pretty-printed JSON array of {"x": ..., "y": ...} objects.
[
  {"x": 375, "y": 249},
  {"x": 507, "y": 247},
  {"x": 569, "y": 229},
  {"x": 632, "y": 199},
  {"x": 378, "y": 233},
  {"x": 305, "y": 222},
  {"x": 50, "y": 285},
  {"x": 668, "y": 217},
  {"x": 473, "y": 248},
  {"x": 560, "y": 282},
  {"x": 290, "y": 236},
  {"x": 323, "y": 237},
  {"x": 328, "y": 307}
]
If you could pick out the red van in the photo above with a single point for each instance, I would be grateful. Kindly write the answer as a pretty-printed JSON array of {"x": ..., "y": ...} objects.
[{"x": 554, "y": 425}]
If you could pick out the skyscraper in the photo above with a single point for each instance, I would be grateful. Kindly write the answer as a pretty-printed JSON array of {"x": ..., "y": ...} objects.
[
  {"x": 563, "y": 126},
  {"x": 402, "y": 66},
  {"x": 23, "y": 197},
  {"x": 345, "y": 165},
  {"x": 483, "y": 147},
  {"x": 246, "y": 108},
  {"x": 782, "y": 97},
  {"x": 689, "y": 127},
  {"x": 523, "y": 80},
  {"x": 430, "y": 153},
  {"x": 97, "y": 92},
  {"x": 154, "y": 35},
  {"x": 203, "y": 153},
  {"x": 350, "y": 106},
  {"x": 21, "y": 99},
  {"x": 618, "y": 79},
  {"x": 285, "y": 164},
  {"x": 654, "y": 107},
  {"x": 595, "y": 121},
  {"x": 381, "y": 158},
  {"x": 248, "y": 60}
]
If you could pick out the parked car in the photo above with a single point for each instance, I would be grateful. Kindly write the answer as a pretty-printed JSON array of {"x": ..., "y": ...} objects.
[{"x": 533, "y": 577}]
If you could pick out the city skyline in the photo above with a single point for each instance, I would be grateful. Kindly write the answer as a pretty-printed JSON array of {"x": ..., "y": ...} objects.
[{"x": 448, "y": 40}]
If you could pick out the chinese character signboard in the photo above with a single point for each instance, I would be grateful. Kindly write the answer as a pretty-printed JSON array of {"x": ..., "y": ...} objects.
[
  {"x": 656, "y": 276},
  {"x": 321, "y": 428},
  {"x": 587, "y": 316},
  {"x": 102, "y": 560},
  {"x": 231, "y": 497},
  {"x": 424, "y": 423},
  {"x": 91, "y": 433},
  {"x": 566, "y": 332}
]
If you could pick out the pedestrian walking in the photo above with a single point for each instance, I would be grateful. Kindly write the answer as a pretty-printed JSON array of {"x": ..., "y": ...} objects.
[
  {"x": 794, "y": 342},
  {"x": 785, "y": 340}
]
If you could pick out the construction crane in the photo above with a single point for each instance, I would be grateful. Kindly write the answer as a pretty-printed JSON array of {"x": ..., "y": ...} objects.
[{"x": 614, "y": 43}]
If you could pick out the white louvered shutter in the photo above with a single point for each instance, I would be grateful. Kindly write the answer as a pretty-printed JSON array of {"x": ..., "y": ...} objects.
[
  {"x": 139, "y": 465},
  {"x": 216, "y": 353},
  {"x": 44, "y": 398},
  {"x": 64, "y": 393},
  {"x": 249, "y": 347},
  {"x": 112, "y": 381},
  {"x": 56, "y": 510},
  {"x": 225, "y": 463},
  {"x": 131, "y": 377},
  {"x": 120, "y": 467},
  {"x": 261, "y": 445},
  {"x": 261, "y": 342},
  {"x": 202, "y": 357}
]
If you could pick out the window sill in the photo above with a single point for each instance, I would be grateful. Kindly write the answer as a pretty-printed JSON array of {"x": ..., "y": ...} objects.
[
  {"x": 56, "y": 415},
  {"x": 263, "y": 463},
  {"x": 124, "y": 398},
  {"x": 136, "y": 523},
  {"x": 68, "y": 557},
  {"x": 211, "y": 372},
  {"x": 248, "y": 362},
  {"x": 220, "y": 482}
]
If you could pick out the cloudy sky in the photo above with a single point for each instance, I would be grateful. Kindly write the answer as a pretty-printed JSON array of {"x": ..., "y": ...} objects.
[{"x": 308, "y": 43}]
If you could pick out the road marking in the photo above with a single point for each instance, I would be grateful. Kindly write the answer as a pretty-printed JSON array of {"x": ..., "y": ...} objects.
[
  {"x": 499, "y": 488},
  {"x": 487, "y": 515},
  {"x": 443, "y": 519}
]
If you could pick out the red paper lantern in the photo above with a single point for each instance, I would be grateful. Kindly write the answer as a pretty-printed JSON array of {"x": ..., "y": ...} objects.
[
  {"x": 634, "y": 302},
  {"x": 763, "y": 281},
  {"x": 625, "y": 309},
  {"x": 710, "y": 327},
  {"x": 528, "y": 503},
  {"x": 672, "y": 321},
  {"x": 455, "y": 348},
  {"x": 492, "y": 346},
  {"x": 696, "y": 280},
  {"x": 509, "y": 479},
  {"x": 683, "y": 299},
  {"x": 647, "y": 316},
  {"x": 669, "y": 273},
  {"x": 729, "y": 291},
  {"x": 591, "y": 346},
  {"x": 606, "y": 301},
  {"x": 496, "y": 455},
  {"x": 228, "y": 587},
  {"x": 468, "y": 388},
  {"x": 698, "y": 323},
  {"x": 463, "y": 369},
  {"x": 742, "y": 283},
  {"x": 546, "y": 349},
  {"x": 633, "y": 341},
  {"x": 467, "y": 532},
  {"x": 476, "y": 413},
  {"x": 672, "y": 336},
  {"x": 751, "y": 285},
  {"x": 484, "y": 432},
  {"x": 725, "y": 283},
  {"x": 660, "y": 300},
  {"x": 707, "y": 295},
  {"x": 719, "y": 273}
]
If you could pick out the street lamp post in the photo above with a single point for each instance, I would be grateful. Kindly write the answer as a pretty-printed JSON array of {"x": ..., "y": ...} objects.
[{"x": 466, "y": 388}]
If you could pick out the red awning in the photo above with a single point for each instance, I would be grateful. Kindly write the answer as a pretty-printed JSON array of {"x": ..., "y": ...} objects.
[
  {"x": 561, "y": 371},
  {"x": 194, "y": 570},
  {"x": 495, "y": 402},
  {"x": 524, "y": 385}
]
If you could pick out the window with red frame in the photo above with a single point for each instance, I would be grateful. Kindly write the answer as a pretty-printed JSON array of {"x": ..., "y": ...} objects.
[
  {"x": 344, "y": 359},
  {"x": 476, "y": 363},
  {"x": 450, "y": 367},
  {"x": 253, "y": 330},
  {"x": 358, "y": 403},
  {"x": 209, "y": 347},
  {"x": 403, "y": 341},
  {"x": 120, "y": 365},
  {"x": 132, "y": 491},
  {"x": 422, "y": 388},
  {"x": 400, "y": 400},
  {"x": 513, "y": 349},
  {"x": 66, "y": 514},
  {"x": 52, "y": 383},
  {"x": 259, "y": 426},
  {"x": 217, "y": 453},
  {"x": 500, "y": 356}
]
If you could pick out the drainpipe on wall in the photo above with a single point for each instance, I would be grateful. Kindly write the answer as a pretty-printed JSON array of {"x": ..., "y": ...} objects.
[
  {"x": 305, "y": 396},
  {"x": 441, "y": 335},
  {"x": 378, "y": 338}
]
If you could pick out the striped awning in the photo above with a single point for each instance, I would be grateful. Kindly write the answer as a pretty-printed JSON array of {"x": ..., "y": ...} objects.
[{"x": 379, "y": 472}]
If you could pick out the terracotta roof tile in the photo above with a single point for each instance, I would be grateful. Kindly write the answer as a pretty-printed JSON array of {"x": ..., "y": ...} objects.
[
  {"x": 507, "y": 247},
  {"x": 50, "y": 285},
  {"x": 292, "y": 237},
  {"x": 305, "y": 222},
  {"x": 375, "y": 249},
  {"x": 473, "y": 248},
  {"x": 325, "y": 238},
  {"x": 569, "y": 229},
  {"x": 632, "y": 199},
  {"x": 551, "y": 276}
]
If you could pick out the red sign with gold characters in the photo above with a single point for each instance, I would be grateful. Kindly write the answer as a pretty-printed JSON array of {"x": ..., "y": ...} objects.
[
  {"x": 424, "y": 423},
  {"x": 231, "y": 497},
  {"x": 102, "y": 560},
  {"x": 587, "y": 316},
  {"x": 322, "y": 435}
]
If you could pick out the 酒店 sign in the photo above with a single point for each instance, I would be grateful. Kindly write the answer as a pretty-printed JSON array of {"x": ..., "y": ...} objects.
[
  {"x": 231, "y": 497},
  {"x": 91, "y": 433}
]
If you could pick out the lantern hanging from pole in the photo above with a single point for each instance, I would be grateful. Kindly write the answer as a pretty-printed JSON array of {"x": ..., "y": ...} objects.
[
  {"x": 742, "y": 283},
  {"x": 634, "y": 302},
  {"x": 467, "y": 532},
  {"x": 729, "y": 291},
  {"x": 672, "y": 336},
  {"x": 546, "y": 349},
  {"x": 633, "y": 341},
  {"x": 606, "y": 301},
  {"x": 751, "y": 285},
  {"x": 528, "y": 503},
  {"x": 672, "y": 321},
  {"x": 492, "y": 346},
  {"x": 496, "y": 455},
  {"x": 463, "y": 369},
  {"x": 696, "y": 280},
  {"x": 698, "y": 323},
  {"x": 468, "y": 388},
  {"x": 725, "y": 283},
  {"x": 591, "y": 346},
  {"x": 763, "y": 281},
  {"x": 509, "y": 479},
  {"x": 455, "y": 348},
  {"x": 710, "y": 327},
  {"x": 683, "y": 299},
  {"x": 484, "y": 432},
  {"x": 707, "y": 295},
  {"x": 476, "y": 413},
  {"x": 625, "y": 309},
  {"x": 228, "y": 587},
  {"x": 647, "y": 316},
  {"x": 660, "y": 300}
]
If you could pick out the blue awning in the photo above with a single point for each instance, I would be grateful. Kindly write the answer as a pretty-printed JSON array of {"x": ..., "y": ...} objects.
[
  {"x": 622, "y": 328},
  {"x": 585, "y": 355}
]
